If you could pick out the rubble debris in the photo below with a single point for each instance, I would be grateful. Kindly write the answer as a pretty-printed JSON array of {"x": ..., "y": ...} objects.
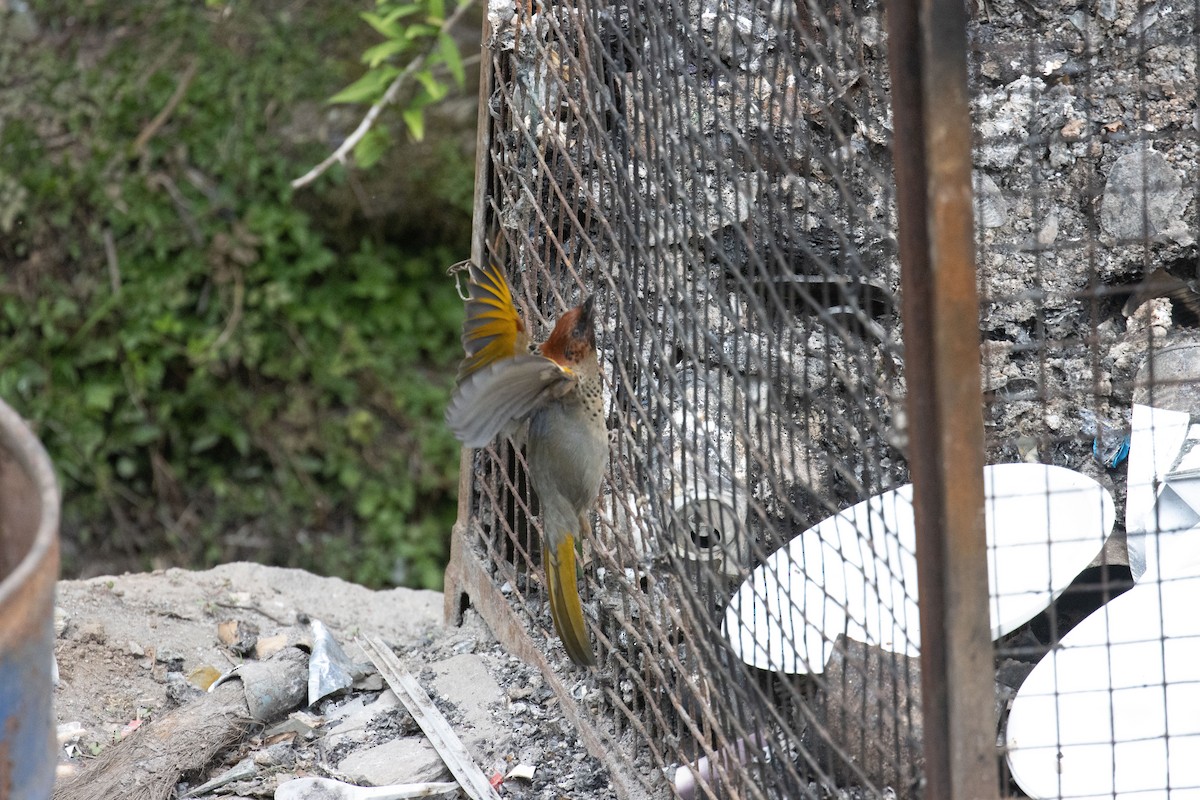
[
  {"x": 440, "y": 734},
  {"x": 410, "y": 759},
  {"x": 1142, "y": 198},
  {"x": 148, "y": 765},
  {"x": 246, "y": 768},
  {"x": 464, "y": 669}
]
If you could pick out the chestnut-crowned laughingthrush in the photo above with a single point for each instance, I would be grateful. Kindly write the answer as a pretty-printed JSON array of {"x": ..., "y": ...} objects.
[{"x": 556, "y": 387}]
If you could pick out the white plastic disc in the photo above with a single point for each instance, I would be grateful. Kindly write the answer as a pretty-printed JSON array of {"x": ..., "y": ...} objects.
[
  {"x": 1115, "y": 712},
  {"x": 856, "y": 572}
]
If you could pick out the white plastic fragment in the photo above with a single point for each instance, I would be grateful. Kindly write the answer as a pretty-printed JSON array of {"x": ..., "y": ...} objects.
[
  {"x": 522, "y": 772},
  {"x": 330, "y": 789},
  {"x": 1164, "y": 483}
]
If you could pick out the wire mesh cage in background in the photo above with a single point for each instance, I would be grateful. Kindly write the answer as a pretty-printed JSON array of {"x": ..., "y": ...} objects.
[{"x": 718, "y": 174}]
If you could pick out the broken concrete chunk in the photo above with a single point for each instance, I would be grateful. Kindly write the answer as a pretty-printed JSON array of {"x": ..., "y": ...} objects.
[
  {"x": 408, "y": 760},
  {"x": 1142, "y": 197}
]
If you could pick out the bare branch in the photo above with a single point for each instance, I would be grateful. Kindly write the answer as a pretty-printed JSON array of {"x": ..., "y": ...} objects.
[{"x": 338, "y": 156}]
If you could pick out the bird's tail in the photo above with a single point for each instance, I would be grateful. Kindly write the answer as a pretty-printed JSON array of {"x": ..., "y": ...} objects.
[{"x": 565, "y": 608}]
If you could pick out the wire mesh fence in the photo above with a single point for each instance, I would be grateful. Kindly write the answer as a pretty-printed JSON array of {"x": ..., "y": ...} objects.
[
  {"x": 1086, "y": 201},
  {"x": 718, "y": 175}
]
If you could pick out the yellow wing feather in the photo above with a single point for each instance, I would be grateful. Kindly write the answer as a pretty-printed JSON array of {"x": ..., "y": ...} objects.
[{"x": 493, "y": 329}]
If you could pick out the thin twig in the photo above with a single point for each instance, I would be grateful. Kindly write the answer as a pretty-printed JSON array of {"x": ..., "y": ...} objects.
[
  {"x": 164, "y": 180},
  {"x": 338, "y": 156},
  {"x": 114, "y": 266},
  {"x": 235, "y": 316},
  {"x": 160, "y": 119}
]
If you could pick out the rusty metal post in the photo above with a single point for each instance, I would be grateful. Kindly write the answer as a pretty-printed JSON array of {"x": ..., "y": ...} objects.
[
  {"x": 454, "y": 584},
  {"x": 932, "y": 153}
]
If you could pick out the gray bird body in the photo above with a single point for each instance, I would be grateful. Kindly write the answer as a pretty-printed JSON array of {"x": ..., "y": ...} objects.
[{"x": 552, "y": 398}]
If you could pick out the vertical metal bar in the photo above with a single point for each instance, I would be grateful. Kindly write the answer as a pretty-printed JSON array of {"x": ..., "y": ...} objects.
[
  {"x": 932, "y": 153},
  {"x": 453, "y": 582}
]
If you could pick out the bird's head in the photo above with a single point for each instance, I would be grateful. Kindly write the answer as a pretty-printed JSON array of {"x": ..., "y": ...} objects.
[{"x": 574, "y": 335}]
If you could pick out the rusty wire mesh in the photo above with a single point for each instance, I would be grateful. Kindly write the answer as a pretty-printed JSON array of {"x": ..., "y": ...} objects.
[{"x": 718, "y": 173}]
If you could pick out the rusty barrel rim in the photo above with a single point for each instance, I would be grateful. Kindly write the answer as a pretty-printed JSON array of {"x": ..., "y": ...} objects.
[{"x": 18, "y": 439}]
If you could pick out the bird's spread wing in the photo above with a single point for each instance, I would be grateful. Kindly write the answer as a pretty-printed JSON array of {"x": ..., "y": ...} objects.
[
  {"x": 493, "y": 329},
  {"x": 510, "y": 389}
]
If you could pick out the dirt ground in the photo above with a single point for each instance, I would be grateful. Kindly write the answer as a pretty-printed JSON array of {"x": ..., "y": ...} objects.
[{"x": 130, "y": 648}]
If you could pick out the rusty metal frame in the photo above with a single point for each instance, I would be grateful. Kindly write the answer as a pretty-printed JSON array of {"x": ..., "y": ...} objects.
[{"x": 932, "y": 154}]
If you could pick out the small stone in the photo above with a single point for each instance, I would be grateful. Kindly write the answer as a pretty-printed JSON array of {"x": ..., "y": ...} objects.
[
  {"x": 280, "y": 754},
  {"x": 1073, "y": 131},
  {"x": 93, "y": 632},
  {"x": 1049, "y": 231},
  {"x": 1141, "y": 197},
  {"x": 179, "y": 691},
  {"x": 371, "y": 682},
  {"x": 171, "y": 659}
]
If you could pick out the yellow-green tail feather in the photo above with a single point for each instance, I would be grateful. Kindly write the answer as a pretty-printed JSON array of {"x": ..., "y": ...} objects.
[{"x": 565, "y": 608}]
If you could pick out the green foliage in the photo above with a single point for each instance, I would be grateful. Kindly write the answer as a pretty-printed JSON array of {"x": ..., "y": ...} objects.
[
  {"x": 413, "y": 40},
  {"x": 214, "y": 378}
]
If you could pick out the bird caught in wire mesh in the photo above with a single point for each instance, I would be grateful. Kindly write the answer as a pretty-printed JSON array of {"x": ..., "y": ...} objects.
[{"x": 556, "y": 388}]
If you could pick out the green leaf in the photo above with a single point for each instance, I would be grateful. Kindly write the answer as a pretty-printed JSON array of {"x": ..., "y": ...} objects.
[
  {"x": 99, "y": 396},
  {"x": 452, "y": 58},
  {"x": 371, "y": 148},
  {"x": 374, "y": 56},
  {"x": 387, "y": 28},
  {"x": 433, "y": 87},
  {"x": 204, "y": 441},
  {"x": 126, "y": 467},
  {"x": 399, "y": 12},
  {"x": 414, "y": 118},
  {"x": 368, "y": 88},
  {"x": 417, "y": 30},
  {"x": 420, "y": 30},
  {"x": 144, "y": 434}
]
